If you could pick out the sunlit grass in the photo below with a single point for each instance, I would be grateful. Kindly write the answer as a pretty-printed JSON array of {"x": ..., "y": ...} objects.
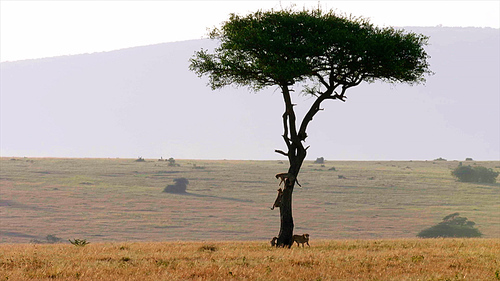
[{"x": 402, "y": 259}]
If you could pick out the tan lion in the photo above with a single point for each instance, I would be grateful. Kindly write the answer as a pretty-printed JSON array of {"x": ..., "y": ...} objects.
[
  {"x": 277, "y": 202},
  {"x": 287, "y": 176},
  {"x": 303, "y": 239},
  {"x": 283, "y": 177}
]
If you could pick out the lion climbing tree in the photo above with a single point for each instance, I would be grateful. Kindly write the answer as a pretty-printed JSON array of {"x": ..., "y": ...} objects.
[{"x": 326, "y": 52}]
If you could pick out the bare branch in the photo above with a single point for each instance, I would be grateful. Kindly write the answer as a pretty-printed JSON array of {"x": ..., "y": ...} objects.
[
  {"x": 290, "y": 129},
  {"x": 281, "y": 152},
  {"x": 297, "y": 181}
]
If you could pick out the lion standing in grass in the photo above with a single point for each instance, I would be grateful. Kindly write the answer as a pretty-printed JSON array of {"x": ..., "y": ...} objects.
[{"x": 303, "y": 239}]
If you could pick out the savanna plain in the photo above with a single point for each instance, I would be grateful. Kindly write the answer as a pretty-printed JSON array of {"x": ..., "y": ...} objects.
[{"x": 362, "y": 218}]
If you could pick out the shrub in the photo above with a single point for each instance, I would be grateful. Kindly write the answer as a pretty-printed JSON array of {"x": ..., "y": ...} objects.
[
  {"x": 475, "y": 174},
  {"x": 319, "y": 160},
  {"x": 171, "y": 162},
  {"x": 440, "y": 159},
  {"x": 452, "y": 226},
  {"x": 51, "y": 238},
  {"x": 180, "y": 186},
  {"x": 78, "y": 242}
]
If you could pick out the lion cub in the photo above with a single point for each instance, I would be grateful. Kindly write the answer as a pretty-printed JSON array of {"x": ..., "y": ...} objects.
[{"x": 303, "y": 239}]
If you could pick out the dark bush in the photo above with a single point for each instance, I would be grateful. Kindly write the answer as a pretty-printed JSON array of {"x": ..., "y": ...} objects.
[
  {"x": 180, "y": 186},
  {"x": 51, "y": 238},
  {"x": 440, "y": 159},
  {"x": 320, "y": 160},
  {"x": 171, "y": 162},
  {"x": 475, "y": 174},
  {"x": 452, "y": 226}
]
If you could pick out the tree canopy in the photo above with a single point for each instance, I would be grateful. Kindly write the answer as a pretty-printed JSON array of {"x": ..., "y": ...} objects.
[{"x": 269, "y": 48}]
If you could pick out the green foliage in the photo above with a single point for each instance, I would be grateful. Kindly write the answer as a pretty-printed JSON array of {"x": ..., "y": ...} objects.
[
  {"x": 171, "y": 162},
  {"x": 79, "y": 242},
  {"x": 283, "y": 47},
  {"x": 452, "y": 226},
  {"x": 440, "y": 159},
  {"x": 477, "y": 174}
]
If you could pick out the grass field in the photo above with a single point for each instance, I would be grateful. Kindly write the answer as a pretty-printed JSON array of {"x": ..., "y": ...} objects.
[
  {"x": 401, "y": 259},
  {"x": 121, "y": 200}
]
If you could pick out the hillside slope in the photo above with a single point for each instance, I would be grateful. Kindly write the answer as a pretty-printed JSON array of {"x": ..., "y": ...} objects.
[{"x": 144, "y": 101}]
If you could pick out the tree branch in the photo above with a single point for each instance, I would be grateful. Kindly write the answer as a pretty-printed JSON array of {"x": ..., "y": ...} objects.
[
  {"x": 315, "y": 107},
  {"x": 290, "y": 129},
  {"x": 281, "y": 152},
  {"x": 322, "y": 80}
]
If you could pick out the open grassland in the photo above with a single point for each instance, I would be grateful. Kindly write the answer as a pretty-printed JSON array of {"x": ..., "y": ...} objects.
[
  {"x": 109, "y": 200},
  {"x": 401, "y": 259}
]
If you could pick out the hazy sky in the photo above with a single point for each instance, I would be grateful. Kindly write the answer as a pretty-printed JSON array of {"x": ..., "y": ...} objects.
[{"x": 35, "y": 29}]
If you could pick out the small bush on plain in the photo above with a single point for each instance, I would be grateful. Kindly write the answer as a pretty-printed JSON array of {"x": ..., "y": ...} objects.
[
  {"x": 452, "y": 226},
  {"x": 171, "y": 162},
  {"x": 477, "y": 174},
  {"x": 320, "y": 160},
  {"x": 440, "y": 159},
  {"x": 180, "y": 186},
  {"x": 79, "y": 242}
]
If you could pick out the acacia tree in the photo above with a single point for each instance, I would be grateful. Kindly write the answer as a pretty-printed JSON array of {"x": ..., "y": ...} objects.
[{"x": 326, "y": 52}]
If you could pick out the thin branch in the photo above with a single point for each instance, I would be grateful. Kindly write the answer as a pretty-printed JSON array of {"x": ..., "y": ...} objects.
[
  {"x": 281, "y": 152},
  {"x": 322, "y": 80},
  {"x": 315, "y": 107},
  {"x": 289, "y": 127},
  {"x": 285, "y": 130}
]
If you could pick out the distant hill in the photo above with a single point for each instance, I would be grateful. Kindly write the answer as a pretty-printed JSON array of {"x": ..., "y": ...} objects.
[{"x": 145, "y": 102}]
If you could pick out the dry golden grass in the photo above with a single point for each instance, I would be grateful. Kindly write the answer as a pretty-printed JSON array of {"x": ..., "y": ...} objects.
[{"x": 400, "y": 259}]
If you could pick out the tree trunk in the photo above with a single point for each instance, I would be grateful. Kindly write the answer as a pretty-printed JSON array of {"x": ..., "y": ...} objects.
[
  {"x": 285, "y": 237},
  {"x": 286, "y": 226},
  {"x": 296, "y": 155}
]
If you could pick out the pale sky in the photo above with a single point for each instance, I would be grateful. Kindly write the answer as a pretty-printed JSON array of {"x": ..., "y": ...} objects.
[{"x": 36, "y": 29}]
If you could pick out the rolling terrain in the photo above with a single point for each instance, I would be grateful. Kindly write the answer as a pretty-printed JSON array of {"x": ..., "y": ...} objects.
[{"x": 109, "y": 200}]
